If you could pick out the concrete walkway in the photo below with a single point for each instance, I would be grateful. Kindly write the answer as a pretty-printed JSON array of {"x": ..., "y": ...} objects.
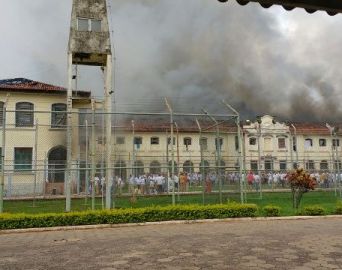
[{"x": 243, "y": 244}]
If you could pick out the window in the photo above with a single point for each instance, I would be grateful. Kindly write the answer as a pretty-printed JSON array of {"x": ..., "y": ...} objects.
[
  {"x": 120, "y": 140},
  {"x": 218, "y": 143},
  {"x": 268, "y": 144},
  {"x": 252, "y": 141},
  {"x": 254, "y": 165},
  {"x": 137, "y": 142},
  {"x": 294, "y": 144},
  {"x": 323, "y": 165},
  {"x": 281, "y": 143},
  {"x": 84, "y": 24},
  {"x": 268, "y": 165},
  {"x": 310, "y": 165},
  {"x": 24, "y": 114},
  {"x": 96, "y": 25},
  {"x": 295, "y": 165},
  {"x": 204, "y": 143},
  {"x": 101, "y": 140},
  {"x": 336, "y": 142},
  {"x": 308, "y": 143},
  {"x": 236, "y": 143},
  {"x": 169, "y": 140},
  {"x": 187, "y": 142},
  {"x": 1, "y": 113},
  {"x": 58, "y": 115},
  {"x": 155, "y": 167},
  {"x": 282, "y": 165},
  {"x": 154, "y": 140},
  {"x": 337, "y": 164},
  {"x": 22, "y": 158},
  {"x": 322, "y": 142}
]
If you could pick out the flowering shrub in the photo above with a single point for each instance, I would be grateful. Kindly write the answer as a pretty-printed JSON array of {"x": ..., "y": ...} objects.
[{"x": 300, "y": 182}]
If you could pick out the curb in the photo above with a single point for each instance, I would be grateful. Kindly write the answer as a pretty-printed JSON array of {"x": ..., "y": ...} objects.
[{"x": 171, "y": 222}]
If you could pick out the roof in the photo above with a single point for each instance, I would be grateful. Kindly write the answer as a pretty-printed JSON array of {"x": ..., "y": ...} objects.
[
  {"x": 332, "y": 7},
  {"x": 314, "y": 128},
  {"x": 163, "y": 124},
  {"x": 26, "y": 85}
]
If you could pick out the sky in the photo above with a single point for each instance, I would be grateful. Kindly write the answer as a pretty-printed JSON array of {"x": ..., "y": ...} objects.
[{"x": 194, "y": 52}]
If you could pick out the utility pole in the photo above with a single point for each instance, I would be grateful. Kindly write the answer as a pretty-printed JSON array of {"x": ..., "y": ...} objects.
[
  {"x": 172, "y": 152},
  {"x": 259, "y": 156},
  {"x": 69, "y": 137},
  {"x": 35, "y": 162},
  {"x": 93, "y": 154},
  {"x": 177, "y": 130},
  {"x": 108, "y": 116},
  {"x": 86, "y": 162},
  {"x": 295, "y": 142},
  {"x": 133, "y": 150},
  {"x": 202, "y": 161}
]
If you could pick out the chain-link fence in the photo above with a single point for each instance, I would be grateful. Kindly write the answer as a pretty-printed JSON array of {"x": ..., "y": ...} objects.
[{"x": 203, "y": 157}]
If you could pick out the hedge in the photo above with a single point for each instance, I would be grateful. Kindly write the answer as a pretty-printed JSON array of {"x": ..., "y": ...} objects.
[
  {"x": 338, "y": 209},
  {"x": 271, "y": 211},
  {"x": 314, "y": 210},
  {"x": 130, "y": 215}
]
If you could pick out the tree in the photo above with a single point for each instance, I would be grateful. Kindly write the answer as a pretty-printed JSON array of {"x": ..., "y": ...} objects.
[{"x": 300, "y": 182}]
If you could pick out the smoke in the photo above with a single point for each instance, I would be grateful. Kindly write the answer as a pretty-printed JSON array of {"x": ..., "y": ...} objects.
[{"x": 195, "y": 52}]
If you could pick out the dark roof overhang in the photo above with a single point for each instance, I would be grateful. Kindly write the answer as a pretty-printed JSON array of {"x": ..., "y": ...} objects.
[{"x": 332, "y": 7}]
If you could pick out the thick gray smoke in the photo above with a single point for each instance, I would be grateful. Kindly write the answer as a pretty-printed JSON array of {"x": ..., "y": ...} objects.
[{"x": 197, "y": 52}]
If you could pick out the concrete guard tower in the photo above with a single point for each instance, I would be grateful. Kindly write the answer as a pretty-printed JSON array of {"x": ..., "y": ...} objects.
[{"x": 90, "y": 44}]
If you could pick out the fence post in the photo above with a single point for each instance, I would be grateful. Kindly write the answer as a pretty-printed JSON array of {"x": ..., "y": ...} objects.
[
  {"x": 35, "y": 163},
  {"x": 3, "y": 145}
]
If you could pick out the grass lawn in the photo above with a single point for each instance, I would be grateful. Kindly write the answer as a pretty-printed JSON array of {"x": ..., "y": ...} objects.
[{"x": 326, "y": 199}]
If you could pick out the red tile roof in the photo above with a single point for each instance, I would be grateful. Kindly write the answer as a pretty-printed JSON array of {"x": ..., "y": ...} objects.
[
  {"x": 314, "y": 128},
  {"x": 25, "y": 84}
]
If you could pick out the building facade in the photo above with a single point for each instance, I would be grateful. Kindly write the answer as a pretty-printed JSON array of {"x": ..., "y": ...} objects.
[{"x": 35, "y": 144}]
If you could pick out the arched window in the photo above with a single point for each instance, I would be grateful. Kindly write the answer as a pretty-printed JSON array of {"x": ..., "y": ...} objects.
[
  {"x": 58, "y": 115},
  {"x": 218, "y": 143},
  {"x": 175, "y": 166},
  {"x": 310, "y": 165},
  {"x": 138, "y": 168},
  {"x": 57, "y": 163},
  {"x": 1, "y": 113},
  {"x": 24, "y": 114},
  {"x": 187, "y": 142},
  {"x": 155, "y": 167},
  {"x": 220, "y": 166},
  {"x": 204, "y": 167},
  {"x": 252, "y": 141},
  {"x": 188, "y": 166},
  {"x": 154, "y": 140},
  {"x": 203, "y": 143},
  {"x": 308, "y": 143},
  {"x": 120, "y": 169},
  {"x": 323, "y": 165}
]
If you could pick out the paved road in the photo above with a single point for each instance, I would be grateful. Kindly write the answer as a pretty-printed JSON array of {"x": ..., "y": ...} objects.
[{"x": 285, "y": 244}]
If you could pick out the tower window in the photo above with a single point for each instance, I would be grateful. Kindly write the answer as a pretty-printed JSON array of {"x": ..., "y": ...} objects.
[
  {"x": 84, "y": 24},
  {"x": 95, "y": 25}
]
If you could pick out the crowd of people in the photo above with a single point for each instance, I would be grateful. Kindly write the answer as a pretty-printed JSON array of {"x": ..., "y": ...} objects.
[{"x": 149, "y": 184}]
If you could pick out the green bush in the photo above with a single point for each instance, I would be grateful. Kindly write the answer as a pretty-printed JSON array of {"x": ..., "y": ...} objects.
[
  {"x": 338, "y": 209},
  {"x": 271, "y": 211},
  {"x": 131, "y": 215},
  {"x": 313, "y": 210}
]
